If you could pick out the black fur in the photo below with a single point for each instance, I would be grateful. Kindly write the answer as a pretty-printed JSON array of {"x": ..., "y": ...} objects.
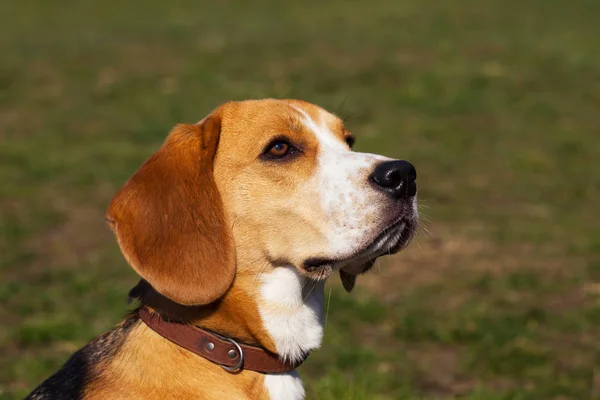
[
  {"x": 70, "y": 381},
  {"x": 139, "y": 291}
]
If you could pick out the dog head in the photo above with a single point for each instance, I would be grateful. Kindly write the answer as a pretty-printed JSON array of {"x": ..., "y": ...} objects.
[{"x": 271, "y": 180}]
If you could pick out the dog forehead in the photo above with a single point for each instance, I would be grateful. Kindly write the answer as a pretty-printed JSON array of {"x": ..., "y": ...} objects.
[
  {"x": 328, "y": 127},
  {"x": 251, "y": 119}
]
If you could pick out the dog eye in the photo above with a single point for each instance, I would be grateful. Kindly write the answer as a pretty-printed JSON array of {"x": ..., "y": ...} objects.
[{"x": 278, "y": 149}]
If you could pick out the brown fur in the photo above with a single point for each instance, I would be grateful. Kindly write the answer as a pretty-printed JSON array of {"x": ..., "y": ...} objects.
[
  {"x": 176, "y": 219},
  {"x": 150, "y": 367},
  {"x": 172, "y": 203}
]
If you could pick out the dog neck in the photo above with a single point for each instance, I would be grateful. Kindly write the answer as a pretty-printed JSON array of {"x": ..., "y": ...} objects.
[{"x": 281, "y": 311}]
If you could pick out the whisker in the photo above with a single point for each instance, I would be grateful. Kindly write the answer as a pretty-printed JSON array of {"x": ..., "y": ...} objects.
[
  {"x": 339, "y": 109},
  {"x": 306, "y": 280},
  {"x": 426, "y": 232},
  {"x": 424, "y": 218},
  {"x": 418, "y": 244},
  {"x": 259, "y": 274},
  {"x": 327, "y": 310},
  {"x": 344, "y": 281},
  {"x": 310, "y": 291},
  {"x": 260, "y": 271}
]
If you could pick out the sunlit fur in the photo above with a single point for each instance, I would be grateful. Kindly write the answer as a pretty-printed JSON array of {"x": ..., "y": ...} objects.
[{"x": 221, "y": 235}]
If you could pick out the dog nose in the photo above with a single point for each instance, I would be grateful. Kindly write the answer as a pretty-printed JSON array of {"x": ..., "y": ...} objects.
[{"x": 396, "y": 178}]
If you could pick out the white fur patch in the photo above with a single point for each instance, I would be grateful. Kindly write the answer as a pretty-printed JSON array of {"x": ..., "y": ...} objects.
[
  {"x": 341, "y": 183},
  {"x": 291, "y": 305},
  {"x": 284, "y": 386},
  {"x": 291, "y": 308}
]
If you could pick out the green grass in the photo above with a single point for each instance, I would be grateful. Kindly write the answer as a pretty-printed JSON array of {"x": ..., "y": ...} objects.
[{"x": 496, "y": 102}]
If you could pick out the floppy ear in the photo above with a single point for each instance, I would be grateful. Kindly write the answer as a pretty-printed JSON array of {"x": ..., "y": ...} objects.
[{"x": 170, "y": 222}]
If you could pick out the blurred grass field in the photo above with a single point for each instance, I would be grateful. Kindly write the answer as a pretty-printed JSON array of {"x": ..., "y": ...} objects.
[{"x": 495, "y": 102}]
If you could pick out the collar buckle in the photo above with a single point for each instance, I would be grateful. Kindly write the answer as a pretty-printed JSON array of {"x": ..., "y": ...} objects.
[{"x": 233, "y": 354}]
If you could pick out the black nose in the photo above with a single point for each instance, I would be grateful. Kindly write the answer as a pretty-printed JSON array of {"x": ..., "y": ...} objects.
[{"x": 396, "y": 178}]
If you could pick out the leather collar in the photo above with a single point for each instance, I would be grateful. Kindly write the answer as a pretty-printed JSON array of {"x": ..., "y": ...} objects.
[{"x": 226, "y": 352}]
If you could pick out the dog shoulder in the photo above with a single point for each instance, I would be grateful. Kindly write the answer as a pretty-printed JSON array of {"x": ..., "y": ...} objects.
[{"x": 71, "y": 381}]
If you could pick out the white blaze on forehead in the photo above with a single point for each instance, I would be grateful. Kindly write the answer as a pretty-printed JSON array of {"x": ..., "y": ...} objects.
[
  {"x": 349, "y": 203},
  {"x": 325, "y": 137}
]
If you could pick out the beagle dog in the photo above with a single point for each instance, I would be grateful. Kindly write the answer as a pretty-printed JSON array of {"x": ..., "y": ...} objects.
[{"x": 234, "y": 225}]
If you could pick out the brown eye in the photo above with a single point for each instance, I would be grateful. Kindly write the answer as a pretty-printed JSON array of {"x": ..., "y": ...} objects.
[{"x": 278, "y": 149}]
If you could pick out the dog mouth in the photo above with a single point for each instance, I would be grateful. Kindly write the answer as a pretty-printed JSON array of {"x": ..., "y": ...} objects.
[{"x": 392, "y": 239}]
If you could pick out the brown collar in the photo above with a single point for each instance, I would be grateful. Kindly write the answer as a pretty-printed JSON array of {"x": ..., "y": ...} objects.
[{"x": 226, "y": 352}]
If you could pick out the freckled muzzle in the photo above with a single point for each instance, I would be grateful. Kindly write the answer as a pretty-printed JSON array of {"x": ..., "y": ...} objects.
[{"x": 395, "y": 221}]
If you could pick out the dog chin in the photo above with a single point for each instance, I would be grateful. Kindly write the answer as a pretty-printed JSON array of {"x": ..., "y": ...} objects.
[{"x": 390, "y": 241}]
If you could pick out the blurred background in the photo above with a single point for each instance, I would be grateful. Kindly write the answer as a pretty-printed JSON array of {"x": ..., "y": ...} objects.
[{"x": 495, "y": 102}]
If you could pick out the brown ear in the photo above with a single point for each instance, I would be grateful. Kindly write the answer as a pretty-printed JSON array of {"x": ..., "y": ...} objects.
[{"x": 170, "y": 222}]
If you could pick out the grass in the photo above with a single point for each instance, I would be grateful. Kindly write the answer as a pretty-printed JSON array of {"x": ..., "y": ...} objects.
[{"x": 496, "y": 102}]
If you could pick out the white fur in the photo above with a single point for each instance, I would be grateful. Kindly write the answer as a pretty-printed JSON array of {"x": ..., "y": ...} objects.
[
  {"x": 291, "y": 305},
  {"x": 347, "y": 199},
  {"x": 285, "y": 386},
  {"x": 291, "y": 308}
]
